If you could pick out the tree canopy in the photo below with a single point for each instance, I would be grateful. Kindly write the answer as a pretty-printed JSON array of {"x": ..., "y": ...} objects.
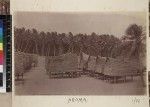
[{"x": 54, "y": 43}]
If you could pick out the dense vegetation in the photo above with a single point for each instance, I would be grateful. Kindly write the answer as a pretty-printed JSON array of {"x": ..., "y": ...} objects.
[{"x": 53, "y": 43}]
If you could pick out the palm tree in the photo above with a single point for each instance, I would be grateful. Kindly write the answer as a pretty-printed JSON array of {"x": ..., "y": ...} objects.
[
  {"x": 19, "y": 38},
  {"x": 48, "y": 43},
  {"x": 136, "y": 33},
  {"x": 35, "y": 40},
  {"x": 41, "y": 42},
  {"x": 61, "y": 43},
  {"x": 27, "y": 39},
  {"x": 71, "y": 42},
  {"x": 54, "y": 38}
]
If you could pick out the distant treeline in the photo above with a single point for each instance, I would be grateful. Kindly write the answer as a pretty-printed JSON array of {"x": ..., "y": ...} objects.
[{"x": 54, "y": 43}]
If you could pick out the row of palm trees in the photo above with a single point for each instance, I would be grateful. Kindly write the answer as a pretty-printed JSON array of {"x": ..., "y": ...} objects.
[{"x": 53, "y": 43}]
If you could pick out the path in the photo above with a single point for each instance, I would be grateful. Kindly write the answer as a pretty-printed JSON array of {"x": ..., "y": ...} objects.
[{"x": 35, "y": 79}]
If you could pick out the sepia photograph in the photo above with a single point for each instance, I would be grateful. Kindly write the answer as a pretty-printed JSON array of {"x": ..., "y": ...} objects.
[{"x": 80, "y": 53}]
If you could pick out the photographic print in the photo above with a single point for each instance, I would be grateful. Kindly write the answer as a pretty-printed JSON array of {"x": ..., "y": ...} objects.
[{"x": 80, "y": 53}]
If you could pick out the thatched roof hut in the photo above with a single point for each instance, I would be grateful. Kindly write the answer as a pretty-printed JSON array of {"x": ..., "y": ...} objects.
[
  {"x": 116, "y": 67},
  {"x": 24, "y": 61},
  {"x": 19, "y": 62},
  {"x": 63, "y": 63}
]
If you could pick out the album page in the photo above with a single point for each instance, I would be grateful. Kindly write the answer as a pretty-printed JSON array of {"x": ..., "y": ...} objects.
[{"x": 80, "y": 53}]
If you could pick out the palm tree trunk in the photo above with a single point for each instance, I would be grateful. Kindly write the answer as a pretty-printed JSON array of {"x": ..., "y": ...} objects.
[
  {"x": 43, "y": 49},
  {"x": 87, "y": 62},
  {"x": 22, "y": 46},
  {"x": 80, "y": 58},
  {"x": 49, "y": 49},
  {"x": 36, "y": 46},
  {"x": 54, "y": 50},
  {"x": 96, "y": 62},
  {"x": 26, "y": 46}
]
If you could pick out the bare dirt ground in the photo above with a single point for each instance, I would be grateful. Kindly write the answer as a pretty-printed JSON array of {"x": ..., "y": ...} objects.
[{"x": 37, "y": 82}]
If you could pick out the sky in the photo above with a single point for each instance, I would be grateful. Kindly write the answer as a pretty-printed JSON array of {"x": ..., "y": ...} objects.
[{"x": 100, "y": 23}]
